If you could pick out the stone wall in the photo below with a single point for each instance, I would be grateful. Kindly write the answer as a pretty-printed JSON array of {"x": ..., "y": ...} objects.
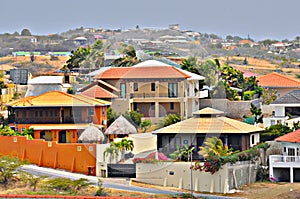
[{"x": 232, "y": 109}]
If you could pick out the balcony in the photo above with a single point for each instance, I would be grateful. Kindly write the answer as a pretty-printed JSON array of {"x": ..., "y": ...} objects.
[
  {"x": 284, "y": 161},
  {"x": 150, "y": 95}
]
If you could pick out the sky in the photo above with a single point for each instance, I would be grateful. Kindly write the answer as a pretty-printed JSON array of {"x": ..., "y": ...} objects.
[{"x": 260, "y": 19}]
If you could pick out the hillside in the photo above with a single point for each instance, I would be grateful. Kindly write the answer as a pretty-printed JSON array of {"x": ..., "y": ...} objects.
[{"x": 42, "y": 65}]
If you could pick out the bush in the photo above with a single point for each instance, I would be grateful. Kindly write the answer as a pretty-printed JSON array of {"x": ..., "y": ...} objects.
[
  {"x": 170, "y": 119},
  {"x": 248, "y": 95}
]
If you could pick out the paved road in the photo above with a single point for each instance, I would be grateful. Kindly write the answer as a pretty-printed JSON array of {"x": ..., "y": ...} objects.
[{"x": 114, "y": 183}]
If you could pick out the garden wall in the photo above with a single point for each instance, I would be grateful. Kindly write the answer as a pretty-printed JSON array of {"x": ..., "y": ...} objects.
[
  {"x": 178, "y": 174},
  {"x": 71, "y": 157},
  {"x": 233, "y": 109}
]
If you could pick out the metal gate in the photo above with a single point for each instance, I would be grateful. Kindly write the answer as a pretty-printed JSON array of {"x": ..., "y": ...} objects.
[{"x": 121, "y": 170}]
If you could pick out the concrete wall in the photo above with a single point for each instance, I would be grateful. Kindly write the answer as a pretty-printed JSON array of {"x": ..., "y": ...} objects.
[
  {"x": 71, "y": 157},
  {"x": 178, "y": 174},
  {"x": 233, "y": 109}
]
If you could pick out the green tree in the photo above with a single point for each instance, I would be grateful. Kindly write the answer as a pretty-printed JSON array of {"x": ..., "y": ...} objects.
[
  {"x": 77, "y": 57},
  {"x": 170, "y": 119},
  {"x": 145, "y": 124},
  {"x": 134, "y": 117},
  {"x": 25, "y": 32},
  {"x": 268, "y": 96},
  {"x": 257, "y": 113},
  {"x": 129, "y": 59},
  {"x": 274, "y": 131},
  {"x": 190, "y": 64},
  {"x": 111, "y": 116}
]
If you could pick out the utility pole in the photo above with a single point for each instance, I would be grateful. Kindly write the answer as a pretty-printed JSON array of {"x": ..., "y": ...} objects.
[{"x": 192, "y": 174}]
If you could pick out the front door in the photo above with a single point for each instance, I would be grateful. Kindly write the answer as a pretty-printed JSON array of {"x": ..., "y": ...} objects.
[{"x": 62, "y": 137}]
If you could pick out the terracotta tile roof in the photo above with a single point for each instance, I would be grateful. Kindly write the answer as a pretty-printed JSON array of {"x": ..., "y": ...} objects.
[
  {"x": 290, "y": 137},
  {"x": 292, "y": 97},
  {"x": 98, "y": 92},
  {"x": 142, "y": 72},
  {"x": 278, "y": 80},
  {"x": 212, "y": 125},
  {"x": 57, "y": 98}
]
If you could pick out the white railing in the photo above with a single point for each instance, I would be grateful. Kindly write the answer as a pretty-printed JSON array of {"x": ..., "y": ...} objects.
[{"x": 284, "y": 159}]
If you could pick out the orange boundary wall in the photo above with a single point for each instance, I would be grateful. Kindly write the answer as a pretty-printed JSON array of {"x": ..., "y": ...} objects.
[{"x": 74, "y": 157}]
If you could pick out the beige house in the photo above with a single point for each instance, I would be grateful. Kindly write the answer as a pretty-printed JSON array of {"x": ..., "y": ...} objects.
[
  {"x": 155, "y": 89},
  {"x": 207, "y": 122}
]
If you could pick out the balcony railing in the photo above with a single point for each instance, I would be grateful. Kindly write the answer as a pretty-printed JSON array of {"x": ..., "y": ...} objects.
[
  {"x": 284, "y": 159},
  {"x": 150, "y": 95}
]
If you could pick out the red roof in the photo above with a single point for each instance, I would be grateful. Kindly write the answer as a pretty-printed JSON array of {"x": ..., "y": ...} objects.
[
  {"x": 98, "y": 92},
  {"x": 290, "y": 137},
  {"x": 277, "y": 80},
  {"x": 142, "y": 72}
]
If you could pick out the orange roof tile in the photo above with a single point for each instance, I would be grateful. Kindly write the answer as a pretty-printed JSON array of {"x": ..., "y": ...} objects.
[
  {"x": 277, "y": 80},
  {"x": 57, "y": 98},
  {"x": 142, "y": 72},
  {"x": 290, "y": 137},
  {"x": 98, "y": 92}
]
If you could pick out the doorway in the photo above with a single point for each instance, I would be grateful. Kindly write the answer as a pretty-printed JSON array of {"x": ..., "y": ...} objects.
[{"x": 62, "y": 137}]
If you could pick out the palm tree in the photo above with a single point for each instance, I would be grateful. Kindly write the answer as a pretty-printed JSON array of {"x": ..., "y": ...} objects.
[
  {"x": 213, "y": 147},
  {"x": 125, "y": 145},
  {"x": 130, "y": 58},
  {"x": 112, "y": 151}
]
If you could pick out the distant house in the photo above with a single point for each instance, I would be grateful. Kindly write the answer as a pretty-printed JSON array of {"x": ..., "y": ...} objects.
[
  {"x": 32, "y": 39},
  {"x": 44, "y": 84},
  {"x": 286, "y": 167},
  {"x": 57, "y": 116},
  {"x": 82, "y": 41},
  {"x": 207, "y": 122},
  {"x": 285, "y": 107},
  {"x": 282, "y": 83}
]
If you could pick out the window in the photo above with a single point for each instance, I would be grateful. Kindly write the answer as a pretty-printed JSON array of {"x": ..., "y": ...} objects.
[
  {"x": 24, "y": 113},
  {"x": 135, "y": 86},
  {"x": 172, "y": 105},
  {"x": 41, "y": 113},
  {"x": 46, "y": 113},
  {"x": 252, "y": 139},
  {"x": 51, "y": 113},
  {"x": 103, "y": 110},
  {"x": 36, "y": 113},
  {"x": 23, "y": 129},
  {"x": 17, "y": 113},
  {"x": 123, "y": 90},
  {"x": 152, "y": 86},
  {"x": 172, "y": 90}
]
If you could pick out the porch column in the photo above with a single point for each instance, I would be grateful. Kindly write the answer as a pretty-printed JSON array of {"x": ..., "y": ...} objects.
[
  {"x": 292, "y": 174},
  {"x": 156, "y": 109}
]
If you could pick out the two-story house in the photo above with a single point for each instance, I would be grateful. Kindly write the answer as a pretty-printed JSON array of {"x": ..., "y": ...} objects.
[
  {"x": 281, "y": 83},
  {"x": 284, "y": 107},
  {"x": 155, "y": 89},
  {"x": 57, "y": 116}
]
